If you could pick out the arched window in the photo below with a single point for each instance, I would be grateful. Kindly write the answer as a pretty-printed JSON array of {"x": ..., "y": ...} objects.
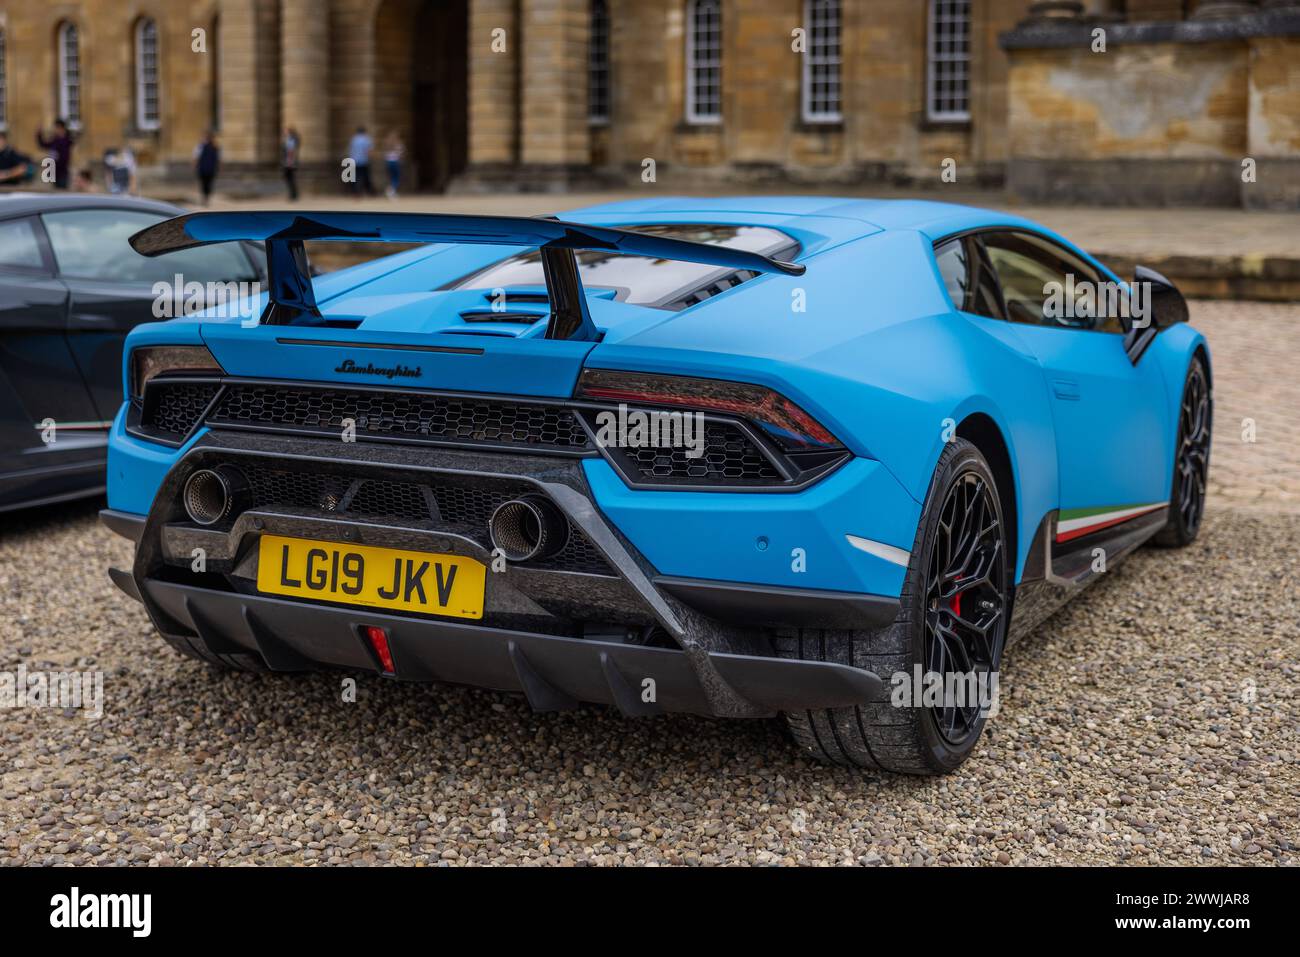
[
  {"x": 598, "y": 64},
  {"x": 69, "y": 78},
  {"x": 821, "y": 62},
  {"x": 147, "y": 115},
  {"x": 704, "y": 61},
  {"x": 4, "y": 102},
  {"x": 947, "y": 87}
]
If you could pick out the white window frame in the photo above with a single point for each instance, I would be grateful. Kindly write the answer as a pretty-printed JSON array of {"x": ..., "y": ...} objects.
[
  {"x": 934, "y": 58},
  {"x": 142, "y": 81},
  {"x": 68, "y": 83},
  {"x": 598, "y": 65},
  {"x": 693, "y": 115},
  {"x": 4, "y": 89},
  {"x": 815, "y": 60}
]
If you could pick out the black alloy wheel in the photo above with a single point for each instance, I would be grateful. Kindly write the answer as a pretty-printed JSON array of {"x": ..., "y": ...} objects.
[
  {"x": 1193, "y": 449},
  {"x": 966, "y": 601},
  {"x": 1191, "y": 460}
]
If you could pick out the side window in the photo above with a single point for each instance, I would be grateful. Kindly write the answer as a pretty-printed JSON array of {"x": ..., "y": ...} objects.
[
  {"x": 1046, "y": 285},
  {"x": 92, "y": 244},
  {"x": 951, "y": 257},
  {"x": 966, "y": 278},
  {"x": 19, "y": 246}
]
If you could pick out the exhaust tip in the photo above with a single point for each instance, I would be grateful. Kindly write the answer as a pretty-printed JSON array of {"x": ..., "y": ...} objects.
[
  {"x": 211, "y": 495},
  {"x": 527, "y": 528}
]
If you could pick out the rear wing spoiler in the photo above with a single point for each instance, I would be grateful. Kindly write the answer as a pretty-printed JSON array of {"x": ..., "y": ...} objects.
[{"x": 291, "y": 299}]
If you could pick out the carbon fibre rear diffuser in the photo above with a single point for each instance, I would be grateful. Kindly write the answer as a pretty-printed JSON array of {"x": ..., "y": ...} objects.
[{"x": 554, "y": 673}]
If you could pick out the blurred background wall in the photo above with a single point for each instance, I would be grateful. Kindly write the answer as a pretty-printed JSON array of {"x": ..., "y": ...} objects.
[{"x": 1169, "y": 108}]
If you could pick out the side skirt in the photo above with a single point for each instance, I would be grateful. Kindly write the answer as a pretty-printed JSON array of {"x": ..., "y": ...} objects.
[{"x": 1057, "y": 570}]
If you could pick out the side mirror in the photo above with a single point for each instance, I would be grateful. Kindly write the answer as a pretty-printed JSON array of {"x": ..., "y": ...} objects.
[
  {"x": 1163, "y": 302},
  {"x": 1156, "y": 304}
]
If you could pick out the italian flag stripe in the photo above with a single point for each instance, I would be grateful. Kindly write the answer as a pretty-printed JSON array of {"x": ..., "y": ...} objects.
[{"x": 1077, "y": 522}]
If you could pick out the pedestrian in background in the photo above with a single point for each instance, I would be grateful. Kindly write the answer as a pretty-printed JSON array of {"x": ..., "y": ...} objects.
[
  {"x": 359, "y": 150},
  {"x": 59, "y": 146},
  {"x": 289, "y": 161},
  {"x": 119, "y": 170},
  {"x": 207, "y": 159},
  {"x": 393, "y": 150}
]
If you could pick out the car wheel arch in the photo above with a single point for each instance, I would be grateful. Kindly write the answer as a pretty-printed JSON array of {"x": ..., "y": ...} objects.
[
  {"x": 1203, "y": 353},
  {"x": 983, "y": 432}
]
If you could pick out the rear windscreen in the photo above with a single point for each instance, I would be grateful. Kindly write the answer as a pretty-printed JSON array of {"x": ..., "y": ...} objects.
[{"x": 662, "y": 283}]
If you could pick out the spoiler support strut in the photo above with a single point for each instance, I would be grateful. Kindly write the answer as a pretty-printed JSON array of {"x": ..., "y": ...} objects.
[
  {"x": 570, "y": 318},
  {"x": 288, "y": 273}
]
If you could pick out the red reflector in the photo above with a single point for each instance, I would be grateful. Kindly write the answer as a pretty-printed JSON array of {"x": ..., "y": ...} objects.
[{"x": 378, "y": 639}]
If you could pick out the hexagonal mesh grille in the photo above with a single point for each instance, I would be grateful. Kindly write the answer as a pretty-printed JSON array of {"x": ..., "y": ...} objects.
[
  {"x": 400, "y": 414},
  {"x": 297, "y": 489},
  {"x": 436, "y": 503},
  {"x": 177, "y": 406},
  {"x": 729, "y": 457}
]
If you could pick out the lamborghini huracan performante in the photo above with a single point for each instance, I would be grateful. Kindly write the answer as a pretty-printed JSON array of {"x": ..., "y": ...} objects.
[{"x": 736, "y": 457}]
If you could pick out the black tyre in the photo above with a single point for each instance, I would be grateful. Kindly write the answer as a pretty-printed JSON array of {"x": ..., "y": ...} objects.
[
  {"x": 956, "y": 601},
  {"x": 1191, "y": 460}
]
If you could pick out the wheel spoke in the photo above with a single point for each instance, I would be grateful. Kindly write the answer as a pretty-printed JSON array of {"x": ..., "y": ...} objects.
[{"x": 966, "y": 596}]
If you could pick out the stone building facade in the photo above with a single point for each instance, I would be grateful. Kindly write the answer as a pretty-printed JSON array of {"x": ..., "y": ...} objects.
[
  {"x": 1157, "y": 102},
  {"x": 728, "y": 94}
]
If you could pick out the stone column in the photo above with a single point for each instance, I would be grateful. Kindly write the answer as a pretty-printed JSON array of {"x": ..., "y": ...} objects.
[
  {"x": 555, "y": 144},
  {"x": 761, "y": 85},
  {"x": 643, "y": 107},
  {"x": 249, "y": 76},
  {"x": 304, "y": 76},
  {"x": 494, "y": 45}
]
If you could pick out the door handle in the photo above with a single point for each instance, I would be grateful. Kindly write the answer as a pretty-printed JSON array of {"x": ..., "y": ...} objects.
[{"x": 1066, "y": 389}]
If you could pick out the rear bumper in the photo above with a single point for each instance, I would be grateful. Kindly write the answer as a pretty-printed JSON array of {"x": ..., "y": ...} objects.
[
  {"x": 555, "y": 673},
  {"x": 557, "y": 634}
]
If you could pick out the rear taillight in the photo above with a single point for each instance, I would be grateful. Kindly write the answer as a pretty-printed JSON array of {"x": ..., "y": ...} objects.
[
  {"x": 786, "y": 423},
  {"x": 147, "y": 362}
]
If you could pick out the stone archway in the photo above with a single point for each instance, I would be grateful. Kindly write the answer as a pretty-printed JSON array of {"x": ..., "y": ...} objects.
[{"x": 421, "y": 88}]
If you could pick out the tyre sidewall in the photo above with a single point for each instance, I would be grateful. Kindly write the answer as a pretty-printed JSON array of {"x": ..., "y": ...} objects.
[
  {"x": 959, "y": 458},
  {"x": 1175, "y": 533}
]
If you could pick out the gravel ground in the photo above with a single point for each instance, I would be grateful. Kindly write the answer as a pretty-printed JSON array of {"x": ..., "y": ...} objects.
[{"x": 1154, "y": 720}]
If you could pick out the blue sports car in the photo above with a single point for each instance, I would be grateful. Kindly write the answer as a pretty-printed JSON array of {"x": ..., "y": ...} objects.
[{"x": 824, "y": 458}]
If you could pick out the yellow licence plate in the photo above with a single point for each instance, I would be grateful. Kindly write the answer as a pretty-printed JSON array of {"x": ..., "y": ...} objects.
[{"x": 374, "y": 577}]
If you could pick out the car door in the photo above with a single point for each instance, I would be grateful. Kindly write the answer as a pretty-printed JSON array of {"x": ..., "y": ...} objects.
[
  {"x": 112, "y": 287},
  {"x": 39, "y": 378},
  {"x": 1110, "y": 415}
]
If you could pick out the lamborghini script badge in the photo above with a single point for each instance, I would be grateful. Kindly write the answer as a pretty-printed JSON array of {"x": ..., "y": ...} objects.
[{"x": 388, "y": 372}]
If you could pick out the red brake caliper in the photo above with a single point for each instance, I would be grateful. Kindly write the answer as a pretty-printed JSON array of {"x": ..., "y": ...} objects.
[{"x": 956, "y": 604}]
